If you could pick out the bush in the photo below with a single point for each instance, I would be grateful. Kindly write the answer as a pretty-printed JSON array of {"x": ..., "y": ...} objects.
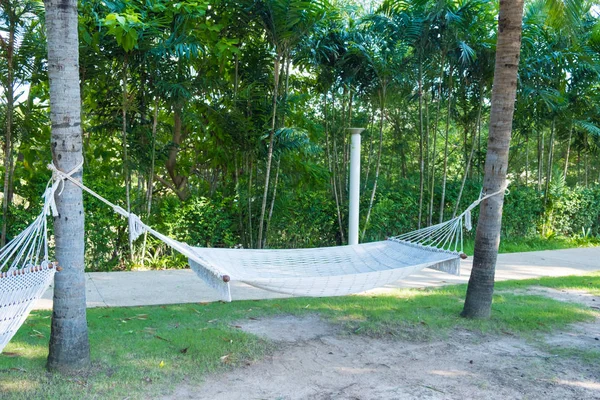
[
  {"x": 204, "y": 222},
  {"x": 576, "y": 211}
]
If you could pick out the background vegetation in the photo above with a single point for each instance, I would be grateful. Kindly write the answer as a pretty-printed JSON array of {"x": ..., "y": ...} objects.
[{"x": 223, "y": 122}]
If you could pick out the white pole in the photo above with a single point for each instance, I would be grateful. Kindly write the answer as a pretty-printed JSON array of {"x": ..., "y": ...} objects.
[{"x": 354, "y": 185}]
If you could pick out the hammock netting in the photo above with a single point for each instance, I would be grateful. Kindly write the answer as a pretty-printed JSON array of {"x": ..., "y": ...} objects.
[{"x": 25, "y": 272}]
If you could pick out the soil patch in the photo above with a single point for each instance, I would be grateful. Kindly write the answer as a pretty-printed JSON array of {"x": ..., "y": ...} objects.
[{"x": 316, "y": 362}]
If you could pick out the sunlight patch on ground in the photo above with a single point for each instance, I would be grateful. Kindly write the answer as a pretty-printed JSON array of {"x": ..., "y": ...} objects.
[
  {"x": 18, "y": 385},
  {"x": 582, "y": 384},
  {"x": 450, "y": 373},
  {"x": 356, "y": 371}
]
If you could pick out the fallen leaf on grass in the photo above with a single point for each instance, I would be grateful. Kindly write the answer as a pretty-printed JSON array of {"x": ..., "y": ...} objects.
[
  {"x": 18, "y": 369},
  {"x": 162, "y": 338},
  {"x": 9, "y": 354},
  {"x": 37, "y": 333},
  {"x": 161, "y": 364},
  {"x": 183, "y": 351},
  {"x": 212, "y": 320},
  {"x": 227, "y": 340},
  {"x": 225, "y": 359}
]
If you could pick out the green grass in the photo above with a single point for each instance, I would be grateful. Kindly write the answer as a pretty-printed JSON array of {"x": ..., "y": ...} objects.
[
  {"x": 537, "y": 243},
  {"x": 143, "y": 352},
  {"x": 589, "y": 283}
]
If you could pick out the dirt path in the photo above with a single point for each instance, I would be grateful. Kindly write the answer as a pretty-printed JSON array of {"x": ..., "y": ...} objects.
[{"x": 315, "y": 361}]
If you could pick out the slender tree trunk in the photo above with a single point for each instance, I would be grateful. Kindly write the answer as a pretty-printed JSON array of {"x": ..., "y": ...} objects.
[
  {"x": 527, "y": 160},
  {"x": 435, "y": 135},
  {"x": 421, "y": 159},
  {"x": 550, "y": 157},
  {"x": 270, "y": 150},
  {"x": 374, "y": 191},
  {"x": 585, "y": 160},
  {"x": 487, "y": 239},
  {"x": 568, "y": 151},
  {"x": 150, "y": 183},
  {"x": 468, "y": 165},
  {"x": 540, "y": 158},
  {"x": 427, "y": 142},
  {"x": 250, "y": 206},
  {"x": 10, "y": 100},
  {"x": 331, "y": 167},
  {"x": 126, "y": 172},
  {"x": 69, "y": 346},
  {"x": 445, "y": 170},
  {"x": 272, "y": 202},
  {"x": 369, "y": 156}
]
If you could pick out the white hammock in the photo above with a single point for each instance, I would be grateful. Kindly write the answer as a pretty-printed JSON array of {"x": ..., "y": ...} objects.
[
  {"x": 326, "y": 271},
  {"x": 25, "y": 271}
]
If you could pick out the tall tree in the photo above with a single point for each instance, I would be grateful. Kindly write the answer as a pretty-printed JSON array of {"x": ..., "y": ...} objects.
[
  {"x": 69, "y": 345},
  {"x": 478, "y": 303}
]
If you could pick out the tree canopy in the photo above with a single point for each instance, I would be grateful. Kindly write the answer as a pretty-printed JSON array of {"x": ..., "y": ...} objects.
[{"x": 223, "y": 122}]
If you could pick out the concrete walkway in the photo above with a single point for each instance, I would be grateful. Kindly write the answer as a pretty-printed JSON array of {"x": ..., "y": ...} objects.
[{"x": 118, "y": 289}]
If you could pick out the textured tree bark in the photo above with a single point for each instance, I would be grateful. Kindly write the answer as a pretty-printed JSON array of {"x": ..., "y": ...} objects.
[
  {"x": 69, "y": 346},
  {"x": 478, "y": 303}
]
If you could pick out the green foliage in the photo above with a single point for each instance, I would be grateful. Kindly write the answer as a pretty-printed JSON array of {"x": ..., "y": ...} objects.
[
  {"x": 576, "y": 210},
  {"x": 304, "y": 220},
  {"x": 523, "y": 212},
  {"x": 204, "y": 222}
]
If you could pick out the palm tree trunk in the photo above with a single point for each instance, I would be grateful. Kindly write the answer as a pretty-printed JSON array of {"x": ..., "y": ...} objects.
[
  {"x": 487, "y": 238},
  {"x": 69, "y": 345}
]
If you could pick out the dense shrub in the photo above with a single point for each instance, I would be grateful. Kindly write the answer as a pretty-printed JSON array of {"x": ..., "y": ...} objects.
[
  {"x": 523, "y": 212},
  {"x": 576, "y": 211},
  {"x": 204, "y": 222},
  {"x": 304, "y": 219}
]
